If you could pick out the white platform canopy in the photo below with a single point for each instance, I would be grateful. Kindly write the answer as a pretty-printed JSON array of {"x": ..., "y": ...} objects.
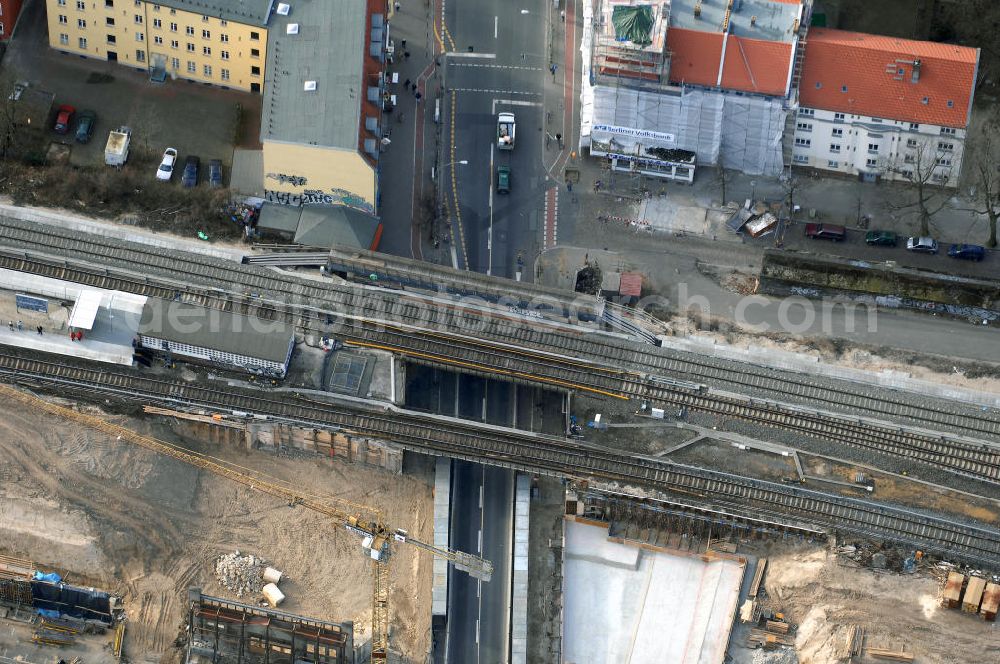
[{"x": 85, "y": 310}]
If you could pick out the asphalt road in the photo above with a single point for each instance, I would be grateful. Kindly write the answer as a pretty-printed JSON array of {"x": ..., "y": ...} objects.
[{"x": 504, "y": 71}]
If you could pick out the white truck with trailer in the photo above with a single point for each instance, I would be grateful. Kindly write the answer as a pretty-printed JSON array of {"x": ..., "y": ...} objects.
[
  {"x": 116, "y": 150},
  {"x": 505, "y": 131}
]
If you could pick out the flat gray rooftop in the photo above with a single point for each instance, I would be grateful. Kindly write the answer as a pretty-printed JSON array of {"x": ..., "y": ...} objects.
[
  {"x": 210, "y": 328},
  {"x": 774, "y": 20},
  {"x": 329, "y": 51},
  {"x": 249, "y": 12}
]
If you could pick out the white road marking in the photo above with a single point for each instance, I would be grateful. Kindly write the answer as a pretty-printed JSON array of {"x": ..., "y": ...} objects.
[
  {"x": 472, "y": 64},
  {"x": 466, "y": 54},
  {"x": 477, "y": 631},
  {"x": 498, "y": 92},
  {"x": 514, "y": 102},
  {"x": 496, "y": 24},
  {"x": 480, "y": 496},
  {"x": 480, "y": 540}
]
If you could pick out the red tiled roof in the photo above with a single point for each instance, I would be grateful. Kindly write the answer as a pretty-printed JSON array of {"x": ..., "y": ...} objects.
[
  {"x": 751, "y": 65},
  {"x": 694, "y": 56},
  {"x": 837, "y": 58}
]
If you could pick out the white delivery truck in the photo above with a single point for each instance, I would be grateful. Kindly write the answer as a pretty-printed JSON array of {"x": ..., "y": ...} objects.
[
  {"x": 116, "y": 150},
  {"x": 505, "y": 131}
]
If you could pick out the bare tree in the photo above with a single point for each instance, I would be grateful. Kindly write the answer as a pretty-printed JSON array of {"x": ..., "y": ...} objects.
[
  {"x": 983, "y": 157},
  {"x": 723, "y": 178},
  {"x": 923, "y": 166}
]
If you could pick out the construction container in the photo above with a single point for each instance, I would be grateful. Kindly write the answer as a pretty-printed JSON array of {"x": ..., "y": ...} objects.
[
  {"x": 991, "y": 602},
  {"x": 952, "y": 590},
  {"x": 273, "y": 596},
  {"x": 973, "y": 594},
  {"x": 272, "y": 575}
]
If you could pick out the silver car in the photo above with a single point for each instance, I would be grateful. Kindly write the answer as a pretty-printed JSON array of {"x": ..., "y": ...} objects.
[{"x": 922, "y": 245}]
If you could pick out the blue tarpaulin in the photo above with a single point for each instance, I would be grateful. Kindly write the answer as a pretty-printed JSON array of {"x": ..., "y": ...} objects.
[{"x": 51, "y": 577}]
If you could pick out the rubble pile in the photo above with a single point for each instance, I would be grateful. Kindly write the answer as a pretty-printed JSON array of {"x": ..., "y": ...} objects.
[{"x": 242, "y": 575}]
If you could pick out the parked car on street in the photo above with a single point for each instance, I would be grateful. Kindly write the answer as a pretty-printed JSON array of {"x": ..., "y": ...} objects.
[
  {"x": 922, "y": 245},
  {"x": 166, "y": 168},
  {"x": 503, "y": 179},
  {"x": 86, "y": 126},
  {"x": 215, "y": 173},
  {"x": 826, "y": 232},
  {"x": 64, "y": 118},
  {"x": 189, "y": 178},
  {"x": 969, "y": 252},
  {"x": 880, "y": 238}
]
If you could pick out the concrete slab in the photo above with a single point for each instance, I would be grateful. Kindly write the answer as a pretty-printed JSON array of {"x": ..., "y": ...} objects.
[{"x": 664, "y": 608}]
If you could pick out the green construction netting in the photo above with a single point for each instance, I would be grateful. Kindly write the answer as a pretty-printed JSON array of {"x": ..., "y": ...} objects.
[{"x": 633, "y": 24}]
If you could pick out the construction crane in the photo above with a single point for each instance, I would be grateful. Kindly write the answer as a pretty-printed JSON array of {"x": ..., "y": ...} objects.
[{"x": 364, "y": 521}]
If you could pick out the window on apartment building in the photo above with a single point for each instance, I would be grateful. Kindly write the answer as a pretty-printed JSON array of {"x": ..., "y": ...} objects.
[
  {"x": 838, "y": 117},
  {"x": 174, "y": 43},
  {"x": 156, "y": 8},
  {"x": 224, "y": 55},
  {"x": 906, "y": 173},
  {"x": 833, "y": 164},
  {"x": 82, "y": 41},
  {"x": 81, "y": 23},
  {"x": 189, "y": 30},
  {"x": 914, "y": 126},
  {"x": 873, "y": 148},
  {"x": 255, "y": 71},
  {"x": 870, "y": 163},
  {"x": 223, "y": 22},
  {"x": 255, "y": 53},
  {"x": 803, "y": 126},
  {"x": 909, "y": 159},
  {"x": 140, "y": 36},
  {"x": 109, "y": 3},
  {"x": 205, "y": 34},
  {"x": 62, "y": 3},
  {"x": 173, "y": 12},
  {"x": 190, "y": 47},
  {"x": 950, "y": 104},
  {"x": 940, "y": 177},
  {"x": 205, "y": 50},
  {"x": 109, "y": 22},
  {"x": 925, "y": 101},
  {"x": 946, "y": 146},
  {"x": 112, "y": 39},
  {"x": 835, "y": 147},
  {"x": 949, "y": 131},
  {"x": 138, "y": 19},
  {"x": 801, "y": 159},
  {"x": 64, "y": 39},
  {"x": 803, "y": 142},
  {"x": 837, "y": 133},
  {"x": 224, "y": 74},
  {"x": 157, "y": 39},
  {"x": 63, "y": 20},
  {"x": 173, "y": 27},
  {"x": 807, "y": 112},
  {"x": 843, "y": 88},
  {"x": 204, "y": 19},
  {"x": 876, "y": 119},
  {"x": 138, "y": 3},
  {"x": 157, "y": 23},
  {"x": 175, "y": 64},
  {"x": 254, "y": 36},
  {"x": 192, "y": 67},
  {"x": 224, "y": 38},
  {"x": 911, "y": 142},
  {"x": 140, "y": 55},
  {"x": 943, "y": 161},
  {"x": 207, "y": 70},
  {"x": 81, "y": 5},
  {"x": 818, "y": 85}
]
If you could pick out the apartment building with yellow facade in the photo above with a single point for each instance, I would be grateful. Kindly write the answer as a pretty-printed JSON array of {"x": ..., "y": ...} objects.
[{"x": 222, "y": 42}]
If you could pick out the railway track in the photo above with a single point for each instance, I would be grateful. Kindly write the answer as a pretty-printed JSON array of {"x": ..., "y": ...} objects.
[
  {"x": 550, "y": 364},
  {"x": 524, "y": 450}
]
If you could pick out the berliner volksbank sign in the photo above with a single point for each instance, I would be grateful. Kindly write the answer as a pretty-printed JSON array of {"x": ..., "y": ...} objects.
[{"x": 633, "y": 133}]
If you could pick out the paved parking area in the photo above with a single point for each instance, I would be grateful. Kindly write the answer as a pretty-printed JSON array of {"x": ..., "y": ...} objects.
[{"x": 193, "y": 118}]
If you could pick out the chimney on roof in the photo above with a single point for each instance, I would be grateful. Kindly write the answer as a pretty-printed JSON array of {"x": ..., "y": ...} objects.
[
  {"x": 753, "y": 20},
  {"x": 915, "y": 76},
  {"x": 697, "y": 9}
]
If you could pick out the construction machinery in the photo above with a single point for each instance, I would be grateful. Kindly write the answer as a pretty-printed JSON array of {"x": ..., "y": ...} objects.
[{"x": 366, "y": 522}]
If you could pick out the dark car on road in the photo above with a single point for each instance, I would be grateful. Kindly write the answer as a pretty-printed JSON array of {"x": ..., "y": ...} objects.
[
  {"x": 190, "y": 176},
  {"x": 969, "y": 252},
  {"x": 922, "y": 245},
  {"x": 826, "y": 232},
  {"x": 503, "y": 180},
  {"x": 64, "y": 118},
  {"x": 215, "y": 173},
  {"x": 85, "y": 129},
  {"x": 880, "y": 238}
]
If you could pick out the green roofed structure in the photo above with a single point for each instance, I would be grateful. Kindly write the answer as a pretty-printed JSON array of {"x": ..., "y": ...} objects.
[{"x": 633, "y": 24}]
